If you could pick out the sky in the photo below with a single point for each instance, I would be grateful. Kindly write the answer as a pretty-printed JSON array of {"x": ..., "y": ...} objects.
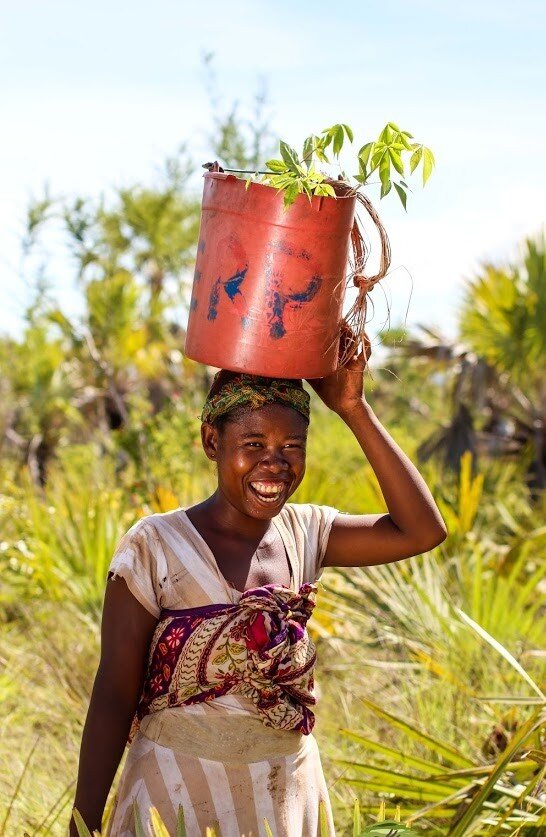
[{"x": 95, "y": 96}]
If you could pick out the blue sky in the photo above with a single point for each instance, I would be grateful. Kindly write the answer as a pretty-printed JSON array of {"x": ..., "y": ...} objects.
[{"x": 94, "y": 96}]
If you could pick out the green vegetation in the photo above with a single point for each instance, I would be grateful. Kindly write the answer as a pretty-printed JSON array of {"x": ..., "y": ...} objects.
[
  {"x": 431, "y": 672},
  {"x": 389, "y": 828},
  {"x": 296, "y": 174}
]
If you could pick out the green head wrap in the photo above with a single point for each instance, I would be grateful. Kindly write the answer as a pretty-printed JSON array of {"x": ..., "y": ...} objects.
[{"x": 232, "y": 390}]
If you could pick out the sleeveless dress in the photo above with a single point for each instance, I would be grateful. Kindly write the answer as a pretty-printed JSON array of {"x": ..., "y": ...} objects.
[{"x": 224, "y": 723}]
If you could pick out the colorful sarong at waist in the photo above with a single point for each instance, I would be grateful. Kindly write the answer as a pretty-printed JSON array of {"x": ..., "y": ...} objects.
[{"x": 258, "y": 648}]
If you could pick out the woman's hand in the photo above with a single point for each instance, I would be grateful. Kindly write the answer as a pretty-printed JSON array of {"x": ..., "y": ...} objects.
[{"x": 343, "y": 391}]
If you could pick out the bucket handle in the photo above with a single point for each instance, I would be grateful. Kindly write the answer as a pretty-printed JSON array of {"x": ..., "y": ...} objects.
[{"x": 355, "y": 319}]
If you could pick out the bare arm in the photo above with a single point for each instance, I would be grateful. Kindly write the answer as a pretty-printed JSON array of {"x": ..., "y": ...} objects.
[
  {"x": 127, "y": 629},
  {"x": 413, "y": 523}
]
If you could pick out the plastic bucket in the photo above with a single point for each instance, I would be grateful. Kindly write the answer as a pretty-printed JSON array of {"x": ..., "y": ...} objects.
[{"x": 269, "y": 282}]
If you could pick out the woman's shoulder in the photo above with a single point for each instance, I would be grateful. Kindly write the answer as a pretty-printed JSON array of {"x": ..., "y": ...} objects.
[
  {"x": 307, "y": 513},
  {"x": 308, "y": 525},
  {"x": 307, "y": 520},
  {"x": 153, "y": 524}
]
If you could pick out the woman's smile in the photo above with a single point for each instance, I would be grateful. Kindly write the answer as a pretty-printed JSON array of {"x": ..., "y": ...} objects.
[{"x": 269, "y": 492}]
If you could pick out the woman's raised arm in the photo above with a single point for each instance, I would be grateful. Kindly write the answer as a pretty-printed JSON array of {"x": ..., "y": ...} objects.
[{"x": 413, "y": 523}]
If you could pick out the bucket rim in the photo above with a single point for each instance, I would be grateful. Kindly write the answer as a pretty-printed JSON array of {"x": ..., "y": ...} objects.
[{"x": 220, "y": 175}]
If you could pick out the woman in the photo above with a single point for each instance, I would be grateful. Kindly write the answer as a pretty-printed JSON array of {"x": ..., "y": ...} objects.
[{"x": 206, "y": 661}]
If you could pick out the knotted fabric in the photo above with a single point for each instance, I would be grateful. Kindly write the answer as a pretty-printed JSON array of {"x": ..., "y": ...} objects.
[
  {"x": 258, "y": 647},
  {"x": 253, "y": 391}
]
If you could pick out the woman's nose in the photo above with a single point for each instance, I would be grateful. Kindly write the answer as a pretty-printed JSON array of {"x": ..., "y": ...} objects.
[{"x": 275, "y": 460}]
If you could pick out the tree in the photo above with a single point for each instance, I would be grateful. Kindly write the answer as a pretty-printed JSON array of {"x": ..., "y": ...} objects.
[{"x": 496, "y": 371}]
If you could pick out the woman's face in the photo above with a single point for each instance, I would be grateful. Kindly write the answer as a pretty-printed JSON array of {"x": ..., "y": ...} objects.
[{"x": 260, "y": 458}]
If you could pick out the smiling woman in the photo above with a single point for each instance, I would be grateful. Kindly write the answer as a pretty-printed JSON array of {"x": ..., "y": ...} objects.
[{"x": 207, "y": 667}]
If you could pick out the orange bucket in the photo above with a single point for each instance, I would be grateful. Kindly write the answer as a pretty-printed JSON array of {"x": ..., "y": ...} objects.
[{"x": 269, "y": 282}]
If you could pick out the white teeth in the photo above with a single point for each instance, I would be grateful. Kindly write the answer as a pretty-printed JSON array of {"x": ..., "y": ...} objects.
[{"x": 267, "y": 491}]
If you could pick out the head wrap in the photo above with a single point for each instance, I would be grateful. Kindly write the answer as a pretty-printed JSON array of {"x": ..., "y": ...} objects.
[{"x": 253, "y": 391}]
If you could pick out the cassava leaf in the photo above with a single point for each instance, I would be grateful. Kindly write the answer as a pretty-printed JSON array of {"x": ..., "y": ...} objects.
[
  {"x": 365, "y": 152},
  {"x": 289, "y": 156},
  {"x": 396, "y": 161},
  {"x": 415, "y": 158},
  {"x": 290, "y": 194},
  {"x": 276, "y": 165},
  {"x": 325, "y": 189},
  {"x": 428, "y": 164},
  {"x": 386, "y": 134},
  {"x": 401, "y": 194},
  {"x": 338, "y": 140},
  {"x": 308, "y": 149}
]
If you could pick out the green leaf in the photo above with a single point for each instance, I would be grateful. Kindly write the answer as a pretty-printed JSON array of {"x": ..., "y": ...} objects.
[
  {"x": 377, "y": 158},
  {"x": 83, "y": 831},
  {"x": 394, "y": 127},
  {"x": 436, "y": 745},
  {"x": 180, "y": 823},
  {"x": 289, "y": 156},
  {"x": 365, "y": 152},
  {"x": 139, "y": 829},
  {"x": 280, "y": 181},
  {"x": 502, "y": 651},
  {"x": 533, "y": 723},
  {"x": 327, "y": 137},
  {"x": 307, "y": 188},
  {"x": 415, "y": 158},
  {"x": 385, "y": 135},
  {"x": 338, "y": 140},
  {"x": 356, "y": 820},
  {"x": 159, "y": 827},
  {"x": 315, "y": 176},
  {"x": 401, "y": 194},
  {"x": 349, "y": 132},
  {"x": 389, "y": 828},
  {"x": 396, "y": 161},
  {"x": 403, "y": 139},
  {"x": 276, "y": 165},
  {"x": 428, "y": 164},
  {"x": 325, "y": 189},
  {"x": 308, "y": 146},
  {"x": 324, "y": 828},
  {"x": 385, "y": 174},
  {"x": 291, "y": 193}
]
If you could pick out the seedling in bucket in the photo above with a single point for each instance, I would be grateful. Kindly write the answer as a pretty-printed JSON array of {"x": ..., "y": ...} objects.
[
  {"x": 390, "y": 154},
  {"x": 271, "y": 271}
]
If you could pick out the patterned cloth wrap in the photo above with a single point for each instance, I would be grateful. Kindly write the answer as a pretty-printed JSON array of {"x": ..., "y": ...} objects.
[
  {"x": 259, "y": 648},
  {"x": 254, "y": 391}
]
